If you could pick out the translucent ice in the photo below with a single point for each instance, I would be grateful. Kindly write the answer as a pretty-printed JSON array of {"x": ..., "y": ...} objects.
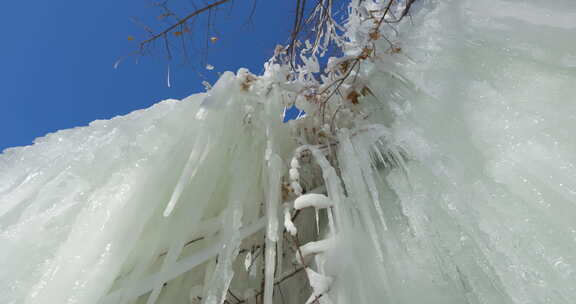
[{"x": 450, "y": 180}]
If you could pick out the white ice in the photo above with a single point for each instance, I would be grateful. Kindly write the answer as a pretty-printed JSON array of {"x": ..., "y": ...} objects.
[{"x": 455, "y": 183}]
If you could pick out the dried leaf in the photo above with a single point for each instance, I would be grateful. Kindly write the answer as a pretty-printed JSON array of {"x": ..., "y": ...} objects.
[
  {"x": 366, "y": 91},
  {"x": 353, "y": 97},
  {"x": 366, "y": 52},
  {"x": 247, "y": 83},
  {"x": 344, "y": 66}
]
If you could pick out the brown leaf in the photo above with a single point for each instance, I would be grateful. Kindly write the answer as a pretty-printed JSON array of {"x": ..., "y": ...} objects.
[
  {"x": 353, "y": 97},
  {"x": 344, "y": 66},
  {"x": 366, "y": 52},
  {"x": 366, "y": 91}
]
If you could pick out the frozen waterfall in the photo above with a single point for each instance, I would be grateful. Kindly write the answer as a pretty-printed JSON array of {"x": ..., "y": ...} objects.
[{"x": 442, "y": 171}]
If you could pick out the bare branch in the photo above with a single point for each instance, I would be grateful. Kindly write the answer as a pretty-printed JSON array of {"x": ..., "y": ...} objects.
[{"x": 195, "y": 13}]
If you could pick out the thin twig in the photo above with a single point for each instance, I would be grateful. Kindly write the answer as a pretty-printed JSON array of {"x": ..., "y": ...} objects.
[
  {"x": 187, "y": 243},
  {"x": 234, "y": 296},
  {"x": 181, "y": 22}
]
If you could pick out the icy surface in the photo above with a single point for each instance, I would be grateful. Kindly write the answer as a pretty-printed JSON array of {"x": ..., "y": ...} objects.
[
  {"x": 82, "y": 209},
  {"x": 320, "y": 285},
  {"x": 478, "y": 206},
  {"x": 457, "y": 184}
]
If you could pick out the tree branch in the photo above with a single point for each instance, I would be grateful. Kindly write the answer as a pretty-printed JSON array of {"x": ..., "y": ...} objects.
[{"x": 181, "y": 22}]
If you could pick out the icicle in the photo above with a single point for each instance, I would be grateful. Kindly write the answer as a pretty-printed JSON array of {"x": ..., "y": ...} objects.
[
  {"x": 222, "y": 276},
  {"x": 148, "y": 283},
  {"x": 199, "y": 151},
  {"x": 288, "y": 224},
  {"x": 255, "y": 266},
  {"x": 117, "y": 63},
  {"x": 168, "y": 77},
  {"x": 240, "y": 195},
  {"x": 357, "y": 189},
  {"x": 331, "y": 180},
  {"x": 317, "y": 221},
  {"x": 320, "y": 285},
  {"x": 248, "y": 260},
  {"x": 195, "y": 296},
  {"x": 275, "y": 174},
  {"x": 279, "y": 255}
]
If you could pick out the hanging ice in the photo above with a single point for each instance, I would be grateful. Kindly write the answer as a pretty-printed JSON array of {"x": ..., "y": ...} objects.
[{"x": 444, "y": 168}]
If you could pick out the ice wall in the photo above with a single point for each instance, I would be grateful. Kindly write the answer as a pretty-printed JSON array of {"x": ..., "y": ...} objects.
[
  {"x": 479, "y": 207},
  {"x": 451, "y": 182},
  {"x": 112, "y": 211}
]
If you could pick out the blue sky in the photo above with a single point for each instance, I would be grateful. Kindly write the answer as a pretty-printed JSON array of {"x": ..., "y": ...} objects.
[{"x": 57, "y": 57}]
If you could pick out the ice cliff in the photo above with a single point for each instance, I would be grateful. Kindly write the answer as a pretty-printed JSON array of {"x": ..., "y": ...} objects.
[{"x": 441, "y": 170}]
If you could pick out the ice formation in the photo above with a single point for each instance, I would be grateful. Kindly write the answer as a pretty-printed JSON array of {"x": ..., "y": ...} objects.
[
  {"x": 319, "y": 201},
  {"x": 444, "y": 165}
]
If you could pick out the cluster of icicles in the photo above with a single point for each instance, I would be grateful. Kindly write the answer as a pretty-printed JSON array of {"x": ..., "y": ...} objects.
[{"x": 442, "y": 170}]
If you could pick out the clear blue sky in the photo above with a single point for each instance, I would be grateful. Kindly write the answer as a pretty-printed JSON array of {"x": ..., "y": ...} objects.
[{"x": 56, "y": 60}]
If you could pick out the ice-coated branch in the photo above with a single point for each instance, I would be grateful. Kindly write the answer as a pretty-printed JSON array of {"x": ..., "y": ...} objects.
[{"x": 318, "y": 201}]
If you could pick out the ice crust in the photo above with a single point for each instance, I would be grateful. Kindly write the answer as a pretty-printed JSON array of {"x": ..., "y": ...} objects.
[{"x": 458, "y": 186}]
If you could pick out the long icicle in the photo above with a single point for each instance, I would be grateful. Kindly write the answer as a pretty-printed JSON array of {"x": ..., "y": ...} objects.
[
  {"x": 273, "y": 200},
  {"x": 199, "y": 151}
]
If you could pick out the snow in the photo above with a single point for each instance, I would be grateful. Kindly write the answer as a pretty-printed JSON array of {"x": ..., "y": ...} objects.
[
  {"x": 452, "y": 182},
  {"x": 312, "y": 200},
  {"x": 294, "y": 175},
  {"x": 294, "y": 164},
  {"x": 288, "y": 224},
  {"x": 316, "y": 247}
]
